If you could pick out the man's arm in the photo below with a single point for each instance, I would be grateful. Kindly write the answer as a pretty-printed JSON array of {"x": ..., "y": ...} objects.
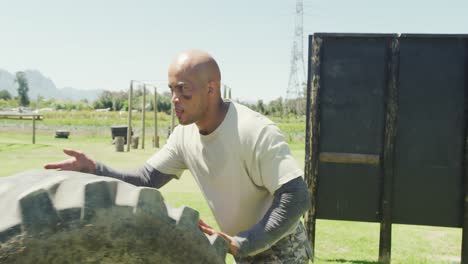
[
  {"x": 290, "y": 202},
  {"x": 143, "y": 176}
]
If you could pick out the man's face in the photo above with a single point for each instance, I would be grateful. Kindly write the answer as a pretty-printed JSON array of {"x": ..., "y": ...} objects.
[{"x": 189, "y": 96}]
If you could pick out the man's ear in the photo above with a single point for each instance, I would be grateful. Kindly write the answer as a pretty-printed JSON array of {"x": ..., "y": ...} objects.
[{"x": 210, "y": 87}]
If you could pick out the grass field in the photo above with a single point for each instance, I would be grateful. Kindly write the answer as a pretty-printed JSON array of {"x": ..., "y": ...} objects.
[{"x": 336, "y": 241}]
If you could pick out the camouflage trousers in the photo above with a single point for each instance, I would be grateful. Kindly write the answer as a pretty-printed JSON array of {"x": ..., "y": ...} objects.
[{"x": 292, "y": 249}]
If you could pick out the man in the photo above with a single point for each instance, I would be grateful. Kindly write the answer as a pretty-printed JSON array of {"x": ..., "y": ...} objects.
[{"x": 239, "y": 159}]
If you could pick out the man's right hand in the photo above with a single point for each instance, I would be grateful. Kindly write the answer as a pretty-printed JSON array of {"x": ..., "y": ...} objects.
[
  {"x": 78, "y": 162},
  {"x": 207, "y": 229}
]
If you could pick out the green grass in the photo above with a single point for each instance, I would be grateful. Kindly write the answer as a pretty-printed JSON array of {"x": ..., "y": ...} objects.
[
  {"x": 93, "y": 118},
  {"x": 336, "y": 241}
]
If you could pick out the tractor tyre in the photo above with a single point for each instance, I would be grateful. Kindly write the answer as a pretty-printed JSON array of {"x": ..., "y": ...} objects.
[{"x": 71, "y": 217}]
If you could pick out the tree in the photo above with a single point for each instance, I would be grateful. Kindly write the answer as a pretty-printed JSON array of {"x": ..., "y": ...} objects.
[
  {"x": 40, "y": 98},
  {"x": 109, "y": 99},
  {"x": 5, "y": 95},
  {"x": 23, "y": 88},
  {"x": 261, "y": 107},
  {"x": 105, "y": 100},
  {"x": 118, "y": 100},
  {"x": 275, "y": 107},
  {"x": 164, "y": 102}
]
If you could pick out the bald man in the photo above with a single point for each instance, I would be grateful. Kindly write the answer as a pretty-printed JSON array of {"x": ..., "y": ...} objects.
[{"x": 239, "y": 159}]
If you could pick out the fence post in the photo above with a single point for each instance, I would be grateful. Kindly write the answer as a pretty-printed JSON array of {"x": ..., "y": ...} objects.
[
  {"x": 129, "y": 131},
  {"x": 388, "y": 165},
  {"x": 34, "y": 129},
  {"x": 143, "y": 115},
  {"x": 464, "y": 253},
  {"x": 312, "y": 135},
  {"x": 155, "y": 108},
  {"x": 119, "y": 143}
]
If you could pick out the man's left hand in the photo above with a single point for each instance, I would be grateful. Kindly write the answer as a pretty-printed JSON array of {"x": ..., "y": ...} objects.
[{"x": 205, "y": 228}]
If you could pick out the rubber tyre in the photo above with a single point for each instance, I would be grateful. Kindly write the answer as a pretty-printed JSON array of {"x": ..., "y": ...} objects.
[{"x": 71, "y": 217}]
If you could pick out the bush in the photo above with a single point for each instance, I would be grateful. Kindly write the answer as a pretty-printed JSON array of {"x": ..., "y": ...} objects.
[{"x": 5, "y": 95}]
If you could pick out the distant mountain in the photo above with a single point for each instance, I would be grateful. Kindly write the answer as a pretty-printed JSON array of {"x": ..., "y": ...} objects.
[
  {"x": 43, "y": 86},
  {"x": 73, "y": 94},
  {"x": 40, "y": 85}
]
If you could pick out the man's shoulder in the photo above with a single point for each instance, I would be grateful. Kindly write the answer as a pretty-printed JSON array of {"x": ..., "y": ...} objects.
[
  {"x": 251, "y": 118},
  {"x": 180, "y": 132},
  {"x": 250, "y": 124}
]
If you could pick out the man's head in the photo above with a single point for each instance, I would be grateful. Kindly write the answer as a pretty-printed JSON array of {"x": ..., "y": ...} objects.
[{"x": 194, "y": 80}]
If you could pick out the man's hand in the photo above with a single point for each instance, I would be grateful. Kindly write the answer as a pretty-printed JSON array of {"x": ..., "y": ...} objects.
[
  {"x": 205, "y": 228},
  {"x": 78, "y": 162}
]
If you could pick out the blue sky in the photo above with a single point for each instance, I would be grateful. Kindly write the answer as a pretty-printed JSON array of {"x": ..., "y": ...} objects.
[{"x": 104, "y": 44}]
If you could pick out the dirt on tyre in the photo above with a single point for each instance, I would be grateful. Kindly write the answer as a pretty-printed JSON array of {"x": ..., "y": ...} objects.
[{"x": 72, "y": 217}]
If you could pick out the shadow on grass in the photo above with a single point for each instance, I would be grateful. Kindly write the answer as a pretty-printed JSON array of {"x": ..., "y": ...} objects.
[
  {"x": 20, "y": 146},
  {"x": 351, "y": 261}
]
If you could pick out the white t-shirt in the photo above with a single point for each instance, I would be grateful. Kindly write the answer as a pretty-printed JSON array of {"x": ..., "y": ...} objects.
[{"x": 238, "y": 166}]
